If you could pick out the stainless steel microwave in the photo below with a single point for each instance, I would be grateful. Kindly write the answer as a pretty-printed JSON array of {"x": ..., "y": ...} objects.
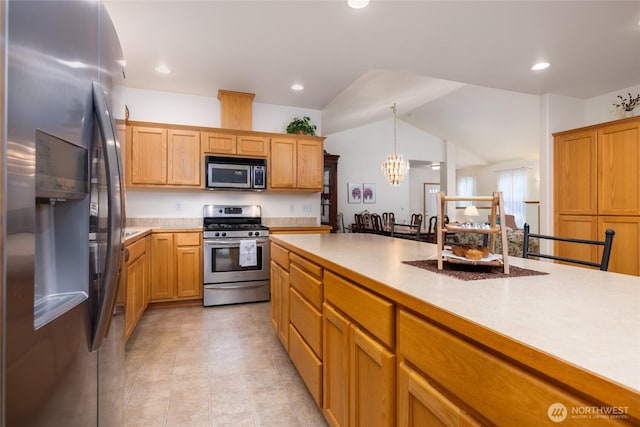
[{"x": 232, "y": 173}]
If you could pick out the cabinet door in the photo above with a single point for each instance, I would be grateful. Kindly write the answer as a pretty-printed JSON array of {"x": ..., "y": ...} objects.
[
  {"x": 184, "y": 158},
  {"x": 283, "y": 321},
  {"x": 283, "y": 163},
  {"x": 162, "y": 267},
  {"x": 275, "y": 295},
  {"x": 420, "y": 404},
  {"x": 372, "y": 381},
  {"x": 575, "y": 173},
  {"x": 280, "y": 303},
  {"x": 252, "y": 145},
  {"x": 577, "y": 227},
  {"x": 188, "y": 265},
  {"x": 310, "y": 165},
  {"x": 335, "y": 359},
  {"x": 218, "y": 143},
  {"x": 619, "y": 169},
  {"x": 147, "y": 156},
  {"x": 625, "y": 252}
]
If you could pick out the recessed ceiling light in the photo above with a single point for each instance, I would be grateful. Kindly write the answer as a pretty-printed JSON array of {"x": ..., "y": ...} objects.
[
  {"x": 297, "y": 86},
  {"x": 540, "y": 66},
  {"x": 163, "y": 69},
  {"x": 357, "y": 4}
]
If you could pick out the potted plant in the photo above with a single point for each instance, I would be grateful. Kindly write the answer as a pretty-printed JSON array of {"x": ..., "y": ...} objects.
[
  {"x": 626, "y": 105},
  {"x": 301, "y": 126}
]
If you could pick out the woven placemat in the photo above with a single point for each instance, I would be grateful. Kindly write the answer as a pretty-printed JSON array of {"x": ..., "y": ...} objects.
[{"x": 473, "y": 272}]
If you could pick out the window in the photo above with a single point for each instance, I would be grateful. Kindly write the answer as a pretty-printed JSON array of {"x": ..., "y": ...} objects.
[
  {"x": 513, "y": 184},
  {"x": 466, "y": 187}
]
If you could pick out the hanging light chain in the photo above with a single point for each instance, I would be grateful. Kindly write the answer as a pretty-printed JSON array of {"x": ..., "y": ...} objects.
[{"x": 395, "y": 168}]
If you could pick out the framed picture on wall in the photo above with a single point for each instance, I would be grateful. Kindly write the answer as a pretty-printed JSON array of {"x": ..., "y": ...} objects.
[
  {"x": 354, "y": 193},
  {"x": 368, "y": 193}
]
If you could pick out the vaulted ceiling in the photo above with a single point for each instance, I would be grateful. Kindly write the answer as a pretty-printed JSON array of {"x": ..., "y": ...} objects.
[{"x": 438, "y": 60}]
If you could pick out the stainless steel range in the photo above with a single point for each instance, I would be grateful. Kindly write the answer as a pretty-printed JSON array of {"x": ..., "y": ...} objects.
[{"x": 236, "y": 255}]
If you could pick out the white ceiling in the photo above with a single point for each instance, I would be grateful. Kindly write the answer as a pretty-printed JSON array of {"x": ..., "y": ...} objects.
[{"x": 420, "y": 54}]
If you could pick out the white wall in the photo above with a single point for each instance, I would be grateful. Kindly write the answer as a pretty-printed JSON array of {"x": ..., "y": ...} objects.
[
  {"x": 173, "y": 108},
  {"x": 362, "y": 151},
  {"x": 599, "y": 109}
]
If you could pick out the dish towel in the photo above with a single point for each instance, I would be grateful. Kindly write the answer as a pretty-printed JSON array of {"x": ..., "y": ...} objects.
[{"x": 248, "y": 253}]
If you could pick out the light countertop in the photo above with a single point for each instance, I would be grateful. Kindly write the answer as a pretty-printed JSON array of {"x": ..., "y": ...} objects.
[{"x": 587, "y": 318}]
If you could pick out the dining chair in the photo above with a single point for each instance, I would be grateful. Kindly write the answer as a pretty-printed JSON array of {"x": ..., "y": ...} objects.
[
  {"x": 376, "y": 223},
  {"x": 606, "y": 253},
  {"x": 396, "y": 233},
  {"x": 415, "y": 218},
  {"x": 387, "y": 217}
]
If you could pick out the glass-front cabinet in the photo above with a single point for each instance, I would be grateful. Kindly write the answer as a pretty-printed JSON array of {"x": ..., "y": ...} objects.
[{"x": 329, "y": 196}]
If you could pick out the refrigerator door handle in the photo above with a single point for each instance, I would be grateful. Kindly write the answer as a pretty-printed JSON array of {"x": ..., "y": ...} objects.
[{"x": 107, "y": 296}]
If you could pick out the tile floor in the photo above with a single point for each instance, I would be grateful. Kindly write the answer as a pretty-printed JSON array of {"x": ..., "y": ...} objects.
[{"x": 213, "y": 366}]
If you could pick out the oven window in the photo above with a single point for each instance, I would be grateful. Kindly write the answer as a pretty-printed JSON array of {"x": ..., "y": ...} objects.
[{"x": 228, "y": 259}]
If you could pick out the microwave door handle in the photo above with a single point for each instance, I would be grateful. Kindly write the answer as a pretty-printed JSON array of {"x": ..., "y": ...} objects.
[{"x": 107, "y": 294}]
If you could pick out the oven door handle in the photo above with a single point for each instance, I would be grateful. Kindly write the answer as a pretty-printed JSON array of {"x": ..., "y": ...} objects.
[
  {"x": 232, "y": 242},
  {"x": 243, "y": 285}
]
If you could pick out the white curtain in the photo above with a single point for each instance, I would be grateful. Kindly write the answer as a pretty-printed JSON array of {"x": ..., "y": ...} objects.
[
  {"x": 513, "y": 184},
  {"x": 466, "y": 187}
]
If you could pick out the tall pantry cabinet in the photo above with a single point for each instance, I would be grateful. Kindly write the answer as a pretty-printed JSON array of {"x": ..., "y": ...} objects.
[{"x": 597, "y": 186}]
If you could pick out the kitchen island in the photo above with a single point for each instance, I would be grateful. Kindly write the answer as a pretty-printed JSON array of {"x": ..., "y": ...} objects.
[{"x": 563, "y": 346}]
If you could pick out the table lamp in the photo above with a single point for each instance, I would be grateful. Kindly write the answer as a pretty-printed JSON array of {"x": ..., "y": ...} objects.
[{"x": 471, "y": 211}]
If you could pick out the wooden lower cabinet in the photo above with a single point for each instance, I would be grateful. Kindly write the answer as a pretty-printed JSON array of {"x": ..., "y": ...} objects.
[
  {"x": 336, "y": 362},
  {"x": 188, "y": 256},
  {"x": 577, "y": 227},
  {"x": 176, "y": 272},
  {"x": 280, "y": 302},
  {"x": 359, "y": 375},
  {"x": 308, "y": 364},
  {"x": 421, "y": 404},
  {"x": 372, "y": 381},
  {"x": 137, "y": 284},
  {"x": 625, "y": 251},
  {"x": 488, "y": 388}
]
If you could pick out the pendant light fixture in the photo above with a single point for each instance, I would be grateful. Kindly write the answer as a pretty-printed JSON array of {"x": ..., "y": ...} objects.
[{"x": 395, "y": 168}]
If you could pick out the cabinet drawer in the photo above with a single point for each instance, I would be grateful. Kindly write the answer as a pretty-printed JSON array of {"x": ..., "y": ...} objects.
[
  {"x": 137, "y": 249},
  {"x": 308, "y": 365},
  {"x": 311, "y": 268},
  {"x": 373, "y": 313},
  {"x": 188, "y": 239},
  {"x": 307, "y": 320},
  {"x": 307, "y": 285},
  {"x": 280, "y": 255},
  {"x": 497, "y": 389}
]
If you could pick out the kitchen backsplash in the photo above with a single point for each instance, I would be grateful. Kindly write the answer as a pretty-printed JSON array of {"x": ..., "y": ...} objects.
[{"x": 197, "y": 222}]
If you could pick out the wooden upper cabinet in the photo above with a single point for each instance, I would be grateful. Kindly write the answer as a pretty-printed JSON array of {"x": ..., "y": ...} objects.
[
  {"x": 235, "y": 145},
  {"x": 184, "y": 158},
  {"x": 253, "y": 145},
  {"x": 310, "y": 164},
  {"x": 575, "y": 173},
  {"x": 147, "y": 156},
  {"x": 218, "y": 143},
  {"x": 296, "y": 164},
  {"x": 159, "y": 156},
  {"x": 619, "y": 169},
  {"x": 282, "y": 163}
]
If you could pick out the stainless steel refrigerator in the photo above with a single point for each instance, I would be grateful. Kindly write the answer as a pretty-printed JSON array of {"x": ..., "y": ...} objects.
[{"x": 62, "y": 315}]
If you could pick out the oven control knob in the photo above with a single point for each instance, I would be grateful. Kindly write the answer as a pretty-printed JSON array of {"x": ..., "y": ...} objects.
[
  {"x": 251, "y": 233},
  {"x": 224, "y": 234},
  {"x": 217, "y": 234},
  {"x": 257, "y": 233}
]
